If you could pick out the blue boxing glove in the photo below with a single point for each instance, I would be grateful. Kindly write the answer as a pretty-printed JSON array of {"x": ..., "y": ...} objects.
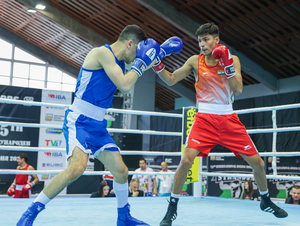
[
  {"x": 173, "y": 44},
  {"x": 146, "y": 52}
]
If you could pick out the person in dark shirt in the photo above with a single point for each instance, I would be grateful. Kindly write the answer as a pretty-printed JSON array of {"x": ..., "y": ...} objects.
[
  {"x": 249, "y": 192},
  {"x": 103, "y": 190},
  {"x": 133, "y": 190},
  {"x": 295, "y": 196}
]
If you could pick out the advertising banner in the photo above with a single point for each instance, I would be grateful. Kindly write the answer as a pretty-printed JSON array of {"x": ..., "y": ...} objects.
[
  {"x": 230, "y": 187},
  {"x": 20, "y": 136},
  {"x": 288, "y": 166},
  {"x": 189, "y": 114},
  {"x": 51, "y": 137}
]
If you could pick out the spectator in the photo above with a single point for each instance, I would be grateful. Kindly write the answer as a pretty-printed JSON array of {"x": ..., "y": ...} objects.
[
  {"x": 146, "y": 181},
  {"x": 109, "y": 178},
  {"x": 21, "y": 186},
  {"x": 134, "y": 188},
  {"x": 103, "y": 190},
  {"x": 295, "y": 195},
  {"x": 249, "y": 193},
  {"x": 164, "y": 182}
]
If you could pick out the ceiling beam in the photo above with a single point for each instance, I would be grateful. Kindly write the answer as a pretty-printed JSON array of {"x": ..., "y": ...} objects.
[
  {"x": 67, "y": 22},
  {"x": 183, "y": 22}
]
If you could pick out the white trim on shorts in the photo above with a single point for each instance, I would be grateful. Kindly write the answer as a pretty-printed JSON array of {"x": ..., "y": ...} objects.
[
  {"x": 217, "y": 109},
  {"x": 109, "y": 145}
]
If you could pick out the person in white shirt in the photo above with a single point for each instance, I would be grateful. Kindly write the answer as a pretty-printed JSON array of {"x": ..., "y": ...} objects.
[
  {"x": 164, "y": 182},
  {"x": 147, "y": 182}
]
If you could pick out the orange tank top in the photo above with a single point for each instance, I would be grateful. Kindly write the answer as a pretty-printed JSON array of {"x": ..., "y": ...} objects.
[{"x": 211, "y": 84}]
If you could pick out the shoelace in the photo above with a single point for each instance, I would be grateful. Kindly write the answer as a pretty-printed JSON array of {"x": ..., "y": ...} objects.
[{"x": 171, "y": 213}]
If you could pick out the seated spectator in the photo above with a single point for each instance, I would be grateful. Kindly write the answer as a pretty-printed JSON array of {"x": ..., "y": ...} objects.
[
  {"x": 164, "y": 182},
  {"x": 295, "y": 196},
  {"x": 109, "y": 178},
  {"x": 103, "y": 190},
  {"x": 147, "y": 182},
  {"x": 134, "y": 188},
  {"x": 249, "y": 193}
]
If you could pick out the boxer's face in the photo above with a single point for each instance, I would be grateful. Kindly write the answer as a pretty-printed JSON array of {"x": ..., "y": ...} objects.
[
  {"x": 207, "y": 43},
  {"x": 20, "y": 161},
  {"x": 130, "y": 53}
]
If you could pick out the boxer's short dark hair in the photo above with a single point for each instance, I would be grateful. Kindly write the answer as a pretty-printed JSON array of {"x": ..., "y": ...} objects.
[
  {"x": 132, "y": 32},
  {"x": 208, "y": 28}
]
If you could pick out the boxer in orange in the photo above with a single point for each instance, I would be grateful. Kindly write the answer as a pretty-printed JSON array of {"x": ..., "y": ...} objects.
[
  {"x": 22, "y": 184},
  {"x": 218, "y": 79}
]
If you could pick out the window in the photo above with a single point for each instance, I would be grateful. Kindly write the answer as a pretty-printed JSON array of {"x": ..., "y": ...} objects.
[
  {"x": 6, "y": 49},
  {"x": 29, "y": 71},
  {"x": 5, "y": 68},
  {"x": 24, "y": 56},
  {"x": 20, "y": 70}
]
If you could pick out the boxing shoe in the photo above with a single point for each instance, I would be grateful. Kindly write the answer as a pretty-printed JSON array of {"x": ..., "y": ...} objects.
[
  {"x": 171, "y": 212},
  {"x": 125, "y": 219},
  {"x": 30, "y": 214},
  {"x": 267, "y": 205}
]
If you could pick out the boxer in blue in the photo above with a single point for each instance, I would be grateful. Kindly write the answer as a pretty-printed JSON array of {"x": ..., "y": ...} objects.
[{"x": 85, "y": 127}]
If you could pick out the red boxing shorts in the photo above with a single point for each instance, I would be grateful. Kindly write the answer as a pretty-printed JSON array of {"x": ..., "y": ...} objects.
[
  {"x": 21, "y": 194},
  {"x": 208, "y": 130}
]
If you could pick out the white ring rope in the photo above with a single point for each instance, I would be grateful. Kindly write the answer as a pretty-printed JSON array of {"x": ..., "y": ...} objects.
[
  {"x": 93, "y": 173},
  {"x": 148, "y": 153},
  {"x": 113, "y": 110}
]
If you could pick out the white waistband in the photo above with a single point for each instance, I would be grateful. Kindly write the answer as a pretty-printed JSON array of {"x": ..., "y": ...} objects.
[
  {"x": 218, "y": 109},
  {"x": 88, "y": 109},
  {"x": 19, "y": 187}
]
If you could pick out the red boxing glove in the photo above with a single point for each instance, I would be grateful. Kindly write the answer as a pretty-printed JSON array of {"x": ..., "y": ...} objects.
[
  {"x": 222, "y": 53},
  {"x": 158, "y": 67},
  {"x": 27, "y": 187},
  {"x": 11, "y": 190}
]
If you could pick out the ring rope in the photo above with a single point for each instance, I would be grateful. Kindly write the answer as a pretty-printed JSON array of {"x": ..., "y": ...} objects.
[
  {"x": 91, "y": 173},
  {"x": 113, "y": 110}
]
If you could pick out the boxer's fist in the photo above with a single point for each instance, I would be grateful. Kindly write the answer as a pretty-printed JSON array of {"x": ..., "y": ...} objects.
[
  {"x": 222, "y": 53},
  {"x": 173, "y": 44},
  {"x": 146, "y": 52},
  {"x": 27, "y": 187},
  {"x": 11, "y": 190}
]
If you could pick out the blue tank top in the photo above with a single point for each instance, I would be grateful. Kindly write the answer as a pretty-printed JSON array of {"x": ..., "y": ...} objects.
[{"x": 95, "y": 87}]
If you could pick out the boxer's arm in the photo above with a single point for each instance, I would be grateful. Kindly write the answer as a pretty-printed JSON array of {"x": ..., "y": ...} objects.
[
  {"x": 236, "y": 82},
  {"x": 172, "y": 78},
  {"x": 102, "y": 57},
  {"x": 36, "y": 179}
]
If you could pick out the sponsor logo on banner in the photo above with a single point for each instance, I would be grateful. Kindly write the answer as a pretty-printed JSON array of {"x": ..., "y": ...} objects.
[
  {"x": 57, "y": 96},
  {"x": 48, "y": 117},
  {"x": 53, "y": 154},
  {"x": 58, "y": 165},
  {"x": 54, "y": 131},
  {"x": 6, "y": 158},
  {"x": 189, "y": 114},
  {"x": 27, "y": 98},
  {"x": 9, "y": 97},
  {"x": 45, "y": 176},
  {"x": 53, "y": 143}
]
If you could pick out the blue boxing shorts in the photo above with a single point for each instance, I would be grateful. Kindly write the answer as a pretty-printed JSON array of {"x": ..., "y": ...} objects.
[{"x": 86, "y": 133}]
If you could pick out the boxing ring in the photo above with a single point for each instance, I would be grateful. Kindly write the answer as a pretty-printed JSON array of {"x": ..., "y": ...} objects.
[{"x": 197, "y": 210}]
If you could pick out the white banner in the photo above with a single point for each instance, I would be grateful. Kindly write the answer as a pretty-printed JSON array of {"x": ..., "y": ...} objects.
[{"x": 51, "y": 137}]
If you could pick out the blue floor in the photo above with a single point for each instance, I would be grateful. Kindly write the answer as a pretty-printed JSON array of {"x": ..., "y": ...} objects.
[{"x": 102, "y": 211}]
